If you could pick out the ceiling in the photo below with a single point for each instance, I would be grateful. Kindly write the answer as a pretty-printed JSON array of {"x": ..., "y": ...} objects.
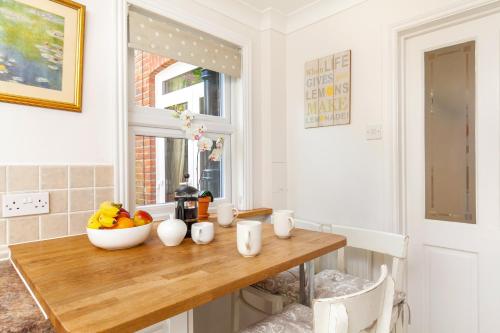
[
  {"x": 284, "y": 16},
  {"x": 285, "y": 7}
]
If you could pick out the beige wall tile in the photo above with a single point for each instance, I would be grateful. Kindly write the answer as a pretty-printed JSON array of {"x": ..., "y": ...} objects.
[
  {"x": 54, "y": 225},
  {"x": 103, "y": 194},
  {"x": 23, "y": 229},
  {"x": 53, "y": 177},
  {"x": 78, "y": 222},
  {"x": 22, "y": 178},
  {"x": 3, "y": 181},
  {"x": 81, "y": 200},
  {"x": 81, "y": 176},
  {"x": 103, "y": 175},
  {"x": 58, "y": 201},
  {"x": 3, "y": 232}
]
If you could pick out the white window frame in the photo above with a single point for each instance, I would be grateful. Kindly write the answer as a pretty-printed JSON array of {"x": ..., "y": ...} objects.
[
  {"x": 158, "y": 122},
  {"x": 241, "y": 107},
  {"x": 162, "y": 211}
]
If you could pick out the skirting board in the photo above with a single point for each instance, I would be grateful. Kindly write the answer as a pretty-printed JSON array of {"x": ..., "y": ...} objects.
[{"x": 4, "y": 252}]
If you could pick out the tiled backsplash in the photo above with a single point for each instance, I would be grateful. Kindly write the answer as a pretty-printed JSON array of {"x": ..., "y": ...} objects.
[{"x": 74, "y": 194}]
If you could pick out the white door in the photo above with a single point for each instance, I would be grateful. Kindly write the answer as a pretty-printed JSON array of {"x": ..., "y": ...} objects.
[{"x": 451, "y": 160}]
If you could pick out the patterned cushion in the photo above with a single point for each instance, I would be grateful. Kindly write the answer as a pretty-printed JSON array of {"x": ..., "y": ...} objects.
[
  {"x": 295, "y": 318},
  {"x": 328, "y": 283},
  {"x": 285, "y": 283},
  {"x": 333, "y": 283}
]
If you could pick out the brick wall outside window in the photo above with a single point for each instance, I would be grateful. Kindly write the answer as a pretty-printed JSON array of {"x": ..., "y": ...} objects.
[{"x": 147, "y": 66}]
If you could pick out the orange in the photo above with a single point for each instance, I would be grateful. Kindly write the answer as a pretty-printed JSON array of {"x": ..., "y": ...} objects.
[{"x": 124, "y": 222}]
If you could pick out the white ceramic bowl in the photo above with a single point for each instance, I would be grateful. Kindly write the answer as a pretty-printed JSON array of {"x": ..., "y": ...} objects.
[{"x": 117, "y": 239}]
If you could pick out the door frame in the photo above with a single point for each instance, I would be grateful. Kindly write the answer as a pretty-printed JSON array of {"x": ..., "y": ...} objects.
[{"x": 441, "y": 18}]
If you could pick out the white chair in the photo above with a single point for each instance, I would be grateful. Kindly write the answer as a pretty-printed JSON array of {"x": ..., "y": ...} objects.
[
  {"x": 368, "y": 310},
  {"x": 272, "y": 295}
]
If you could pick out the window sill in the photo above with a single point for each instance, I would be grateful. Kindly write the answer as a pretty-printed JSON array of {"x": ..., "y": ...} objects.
[{"x": 244, "y": 214}]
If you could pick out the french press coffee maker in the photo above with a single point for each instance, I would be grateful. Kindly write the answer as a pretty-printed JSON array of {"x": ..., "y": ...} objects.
[{"x": 186, "y": 204}]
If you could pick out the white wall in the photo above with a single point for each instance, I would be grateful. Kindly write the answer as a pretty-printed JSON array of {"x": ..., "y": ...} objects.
[
  {"x": 30, "y": 135},
  {"x": 273, "y": 109},
  {"x": 335, "y": 174}
]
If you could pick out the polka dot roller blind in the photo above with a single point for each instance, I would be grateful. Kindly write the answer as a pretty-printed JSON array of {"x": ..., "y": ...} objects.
[{"x": 159, "y": 35}]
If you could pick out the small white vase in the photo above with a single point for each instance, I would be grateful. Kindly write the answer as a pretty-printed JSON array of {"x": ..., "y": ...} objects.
[{"x": 172, "y": 231}]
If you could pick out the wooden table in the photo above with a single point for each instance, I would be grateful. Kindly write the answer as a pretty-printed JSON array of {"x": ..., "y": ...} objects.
[{"x": 83, "y": 288}]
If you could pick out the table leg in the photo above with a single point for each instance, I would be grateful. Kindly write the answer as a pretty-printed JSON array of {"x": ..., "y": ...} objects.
[{"x": 306, "y": 283}]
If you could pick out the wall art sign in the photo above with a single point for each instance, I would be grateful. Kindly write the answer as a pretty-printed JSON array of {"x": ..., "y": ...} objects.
[
  {"x": 41, "y": 53},
  {"x": 327, "y": 91}
]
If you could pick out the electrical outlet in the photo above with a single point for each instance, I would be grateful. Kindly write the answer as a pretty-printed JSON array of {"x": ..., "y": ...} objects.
[{"x": 25, "y": 204}]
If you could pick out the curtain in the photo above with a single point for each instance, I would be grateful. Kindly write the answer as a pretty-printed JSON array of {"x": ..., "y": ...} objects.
[
  {"x": 176, "y": 164},
  {"x": 159, "y": 35}
]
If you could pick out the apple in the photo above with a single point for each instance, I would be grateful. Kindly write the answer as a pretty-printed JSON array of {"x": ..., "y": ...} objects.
[
  {"x": 142, "y": 217},
  {"x": 123, "y": 213}
]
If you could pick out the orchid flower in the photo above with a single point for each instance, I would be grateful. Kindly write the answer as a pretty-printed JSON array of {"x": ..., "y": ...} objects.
[
  {"x": 219, "y": 143},
  {"x": 187, "y": 117},
  {"x": 215, "y": 155},
  {"x": 205, "y": 144}
]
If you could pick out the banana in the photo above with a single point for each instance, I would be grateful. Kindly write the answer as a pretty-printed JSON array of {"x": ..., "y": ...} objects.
[
  {"x": 109, "y": 209},
  {"x": 106, "y": 221},
  {"x": 93, "y": 222}
]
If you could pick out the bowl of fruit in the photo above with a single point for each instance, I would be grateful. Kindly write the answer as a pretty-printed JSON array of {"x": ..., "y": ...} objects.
[{"x": 113, "y": 228}]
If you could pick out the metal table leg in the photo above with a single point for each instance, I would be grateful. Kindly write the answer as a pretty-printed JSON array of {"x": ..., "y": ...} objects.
[{"x": 306, "y": 283}]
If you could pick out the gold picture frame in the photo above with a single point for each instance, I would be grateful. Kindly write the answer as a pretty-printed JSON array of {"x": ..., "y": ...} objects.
[{"x": 41, "y": 53}]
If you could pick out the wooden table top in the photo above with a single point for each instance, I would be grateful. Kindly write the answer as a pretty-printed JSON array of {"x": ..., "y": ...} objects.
[{"x": 86, "y": 289}]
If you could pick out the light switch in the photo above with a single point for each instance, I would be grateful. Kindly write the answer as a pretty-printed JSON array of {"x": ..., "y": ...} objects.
[{"x": 374, "y": 132}]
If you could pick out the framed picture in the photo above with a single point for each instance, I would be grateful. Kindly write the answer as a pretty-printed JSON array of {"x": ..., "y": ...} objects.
[
  {"x": 41, "y": 53},
  {"x": 327, "y": 91}
]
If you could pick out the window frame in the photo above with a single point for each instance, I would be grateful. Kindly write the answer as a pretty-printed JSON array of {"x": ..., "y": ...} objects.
[
  {"x": 241, "y": 101},
  {"x": 158, "y": 122},
  {"x": 162, "y": 211}
]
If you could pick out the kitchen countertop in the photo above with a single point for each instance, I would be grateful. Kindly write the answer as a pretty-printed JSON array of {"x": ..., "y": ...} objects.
[
  {"x": 18, "y": 310},
  {"x": 83, "y": 288}
]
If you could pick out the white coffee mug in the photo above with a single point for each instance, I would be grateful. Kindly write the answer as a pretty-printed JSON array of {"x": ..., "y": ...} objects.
[
  {"x": 283, "y": 223},
  {"x": 249, "y": 238},
  {"x": 226, "y": 214},
  {"x": 202, "y": 232}
]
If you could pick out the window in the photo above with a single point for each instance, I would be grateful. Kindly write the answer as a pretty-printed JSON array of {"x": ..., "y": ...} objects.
[
  {"x": 450, "y": 133},
  {"x": 182, "y": 81},
  {"x": 164, "y": 84},
  {"x": 162, "y": 162}
]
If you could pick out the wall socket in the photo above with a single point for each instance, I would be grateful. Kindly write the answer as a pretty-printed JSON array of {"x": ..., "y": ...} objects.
[{"x": 25, "y": 204}]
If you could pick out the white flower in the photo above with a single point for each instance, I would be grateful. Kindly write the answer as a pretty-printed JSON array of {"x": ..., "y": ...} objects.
[
  {"x": 219, "y": 143},
  {"x": 215, "y": 155},
  {"x": 205, "y": 144},
  {"x": 196, "y": 134},
  {"x": 187, "y": 117}
]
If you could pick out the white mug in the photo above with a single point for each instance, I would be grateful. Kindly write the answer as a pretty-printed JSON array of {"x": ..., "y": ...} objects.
[
  {"x": 283, "y": 223},
  {"x": 249, "y": 238},
  {"x": 226, "y": 214},
  {"x": 202, "y": 232}
]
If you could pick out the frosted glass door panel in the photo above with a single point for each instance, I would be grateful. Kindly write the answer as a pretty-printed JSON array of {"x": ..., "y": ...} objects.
[{"x": 449, "y": 133}]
